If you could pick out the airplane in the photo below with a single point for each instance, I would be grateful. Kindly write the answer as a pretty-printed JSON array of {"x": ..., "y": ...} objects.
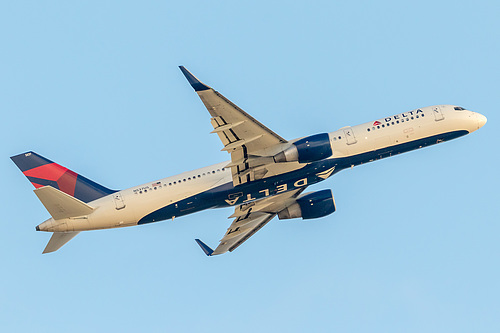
[{"x": 266, "y": 177}]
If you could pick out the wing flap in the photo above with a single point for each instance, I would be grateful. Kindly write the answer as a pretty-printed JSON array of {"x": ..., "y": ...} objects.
[
  {"x": 240, "y": 143},
  {"x": 230, "y": 243},
  {"x": 228, "y": 114},
  {"x": 226, "y": 127}
]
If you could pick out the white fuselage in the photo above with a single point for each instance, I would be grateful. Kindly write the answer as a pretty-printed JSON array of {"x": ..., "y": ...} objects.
[{"x": 128, "y": 207}]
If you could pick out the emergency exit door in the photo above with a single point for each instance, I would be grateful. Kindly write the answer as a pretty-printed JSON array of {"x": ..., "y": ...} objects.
[
  {"x": 438, "y": 115},
  {"x": 349, "y": 136},
  {"x": 119, "y": 203}
]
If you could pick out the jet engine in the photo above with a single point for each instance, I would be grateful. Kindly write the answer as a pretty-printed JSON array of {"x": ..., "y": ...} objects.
[
  {"x": 310, "y": 206},
  {"x": 309, "y": 149}
]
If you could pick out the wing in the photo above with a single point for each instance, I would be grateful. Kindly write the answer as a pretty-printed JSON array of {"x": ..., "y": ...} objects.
[
  {"x": 249, "y": 219},
  {"x": 242, "y": 135}
]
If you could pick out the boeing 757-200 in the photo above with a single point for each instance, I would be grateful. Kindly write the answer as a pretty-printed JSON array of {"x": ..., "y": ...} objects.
[{"x": 267, "y": 174}]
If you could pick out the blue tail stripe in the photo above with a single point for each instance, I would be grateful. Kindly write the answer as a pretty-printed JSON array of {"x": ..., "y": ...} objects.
[
  {"x": 29, "y": 160},
  {"x": 87, "y": 190},
  {"x": 43, "y": 182}
]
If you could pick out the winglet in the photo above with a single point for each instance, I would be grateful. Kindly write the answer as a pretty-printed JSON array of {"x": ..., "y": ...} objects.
[
  {"x": 193, "y": 81},
  {"x": 208, "y": 251}
]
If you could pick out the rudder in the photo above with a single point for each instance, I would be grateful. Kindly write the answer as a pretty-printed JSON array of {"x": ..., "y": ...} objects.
[{"x": 41, "y": 171}]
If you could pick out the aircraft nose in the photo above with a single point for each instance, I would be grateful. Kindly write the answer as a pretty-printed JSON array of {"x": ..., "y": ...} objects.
[{"x": 481, "y": 120}]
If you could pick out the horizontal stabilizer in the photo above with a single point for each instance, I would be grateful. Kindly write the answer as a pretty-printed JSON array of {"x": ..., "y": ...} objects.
[
  {"x": 208, "y": 251},
  {"x": 61, "y": 205},
  {"x": 58, "y": 239}
]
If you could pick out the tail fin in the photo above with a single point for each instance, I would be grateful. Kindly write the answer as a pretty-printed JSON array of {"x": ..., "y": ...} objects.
[{"x": 43, "y": 172}]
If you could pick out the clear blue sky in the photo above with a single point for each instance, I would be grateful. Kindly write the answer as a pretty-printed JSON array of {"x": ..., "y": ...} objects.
[{"x": 414, "y": 245}]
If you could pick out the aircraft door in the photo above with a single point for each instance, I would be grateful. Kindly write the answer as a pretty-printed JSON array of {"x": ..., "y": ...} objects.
[
  {"x": 349, "y": 136},
  {"x": 118, "y": 199},
  {"x": 438, "y": 115}
]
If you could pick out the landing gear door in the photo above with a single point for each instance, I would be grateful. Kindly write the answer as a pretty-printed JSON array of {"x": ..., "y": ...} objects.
[
  {"x": 438, "y": 115},
  {"x": 118, "y": 199},
  {"x": 349, "y": 136}
]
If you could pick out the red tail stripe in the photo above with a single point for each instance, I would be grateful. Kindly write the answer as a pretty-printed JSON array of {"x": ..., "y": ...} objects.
[
  {"x": 52, "y": 171},
  {"x": 67, "y": 182}
]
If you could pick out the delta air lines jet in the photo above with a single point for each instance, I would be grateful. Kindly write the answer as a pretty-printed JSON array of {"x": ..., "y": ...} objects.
[{"x": 266, "y": 177}]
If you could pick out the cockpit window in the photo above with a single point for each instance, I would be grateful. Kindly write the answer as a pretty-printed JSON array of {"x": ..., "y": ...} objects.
[{"x": 459, "y": 108}]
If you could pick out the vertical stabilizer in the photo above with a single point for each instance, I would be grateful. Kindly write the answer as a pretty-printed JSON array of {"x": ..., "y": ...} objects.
[{"x": 43, "y": 172}]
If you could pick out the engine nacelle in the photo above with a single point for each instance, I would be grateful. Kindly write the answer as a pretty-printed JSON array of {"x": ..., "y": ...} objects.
[
  {"x": 310, "y": 206},
  {"x": 312, "y": 148}
]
